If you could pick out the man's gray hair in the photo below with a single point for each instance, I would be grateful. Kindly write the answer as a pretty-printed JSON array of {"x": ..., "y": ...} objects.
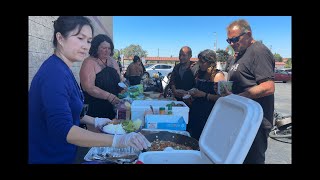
[{"x": 242, "y": 24}]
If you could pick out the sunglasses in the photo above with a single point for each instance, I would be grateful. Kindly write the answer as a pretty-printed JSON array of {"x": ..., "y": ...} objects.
[
  {"x": 201, "y": 62},
  {"x": 235, "y": 39}
]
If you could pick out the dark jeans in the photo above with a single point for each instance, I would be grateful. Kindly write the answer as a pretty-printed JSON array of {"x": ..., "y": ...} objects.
[{"x": 256, "y": 154}]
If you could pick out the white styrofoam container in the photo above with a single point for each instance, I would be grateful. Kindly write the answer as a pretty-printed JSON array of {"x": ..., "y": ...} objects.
[
  {"x": 138, "y": 108},
  {"x": 226, "y": 138},
  {"x": 173, "y": 157}
]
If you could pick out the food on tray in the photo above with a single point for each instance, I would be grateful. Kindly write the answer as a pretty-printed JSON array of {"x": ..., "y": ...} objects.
[
  {"x": 131, "y": 126},
  {"x": 161, "y": 145},
  {"x": 114, "y": 129},
  {"x": 122, "y": 126}
]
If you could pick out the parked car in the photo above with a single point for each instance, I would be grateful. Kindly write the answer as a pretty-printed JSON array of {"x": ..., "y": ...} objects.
[
  {"x": 164, "y": 69},
  {"x": 289, "y": 70},
  {"x": 282, "y": 75}
]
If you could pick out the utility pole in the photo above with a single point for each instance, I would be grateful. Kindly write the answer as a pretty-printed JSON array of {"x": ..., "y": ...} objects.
[
  {"x": 158, "y": 52},
  {"x": 216, "y": 42},
  {"x": 122, "y": 57}
]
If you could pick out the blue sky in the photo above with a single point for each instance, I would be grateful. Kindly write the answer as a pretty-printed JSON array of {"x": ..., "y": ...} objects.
[{"x": 170, "y": 33}]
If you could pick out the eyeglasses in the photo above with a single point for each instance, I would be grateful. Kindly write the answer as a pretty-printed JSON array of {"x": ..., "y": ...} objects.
[{"x": 235, "y": 39}]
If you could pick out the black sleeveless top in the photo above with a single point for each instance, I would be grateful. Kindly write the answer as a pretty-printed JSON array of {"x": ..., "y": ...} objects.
[
  {"x": 107, "y": 79},
  {"x": 201, "y": 107}
]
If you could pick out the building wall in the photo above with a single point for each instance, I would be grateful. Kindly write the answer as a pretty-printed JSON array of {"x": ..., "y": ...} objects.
[{"x": 40, "y": 38}]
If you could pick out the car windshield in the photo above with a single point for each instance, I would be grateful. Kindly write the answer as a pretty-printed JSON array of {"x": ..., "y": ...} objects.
[{"x": 147, "y": 65}]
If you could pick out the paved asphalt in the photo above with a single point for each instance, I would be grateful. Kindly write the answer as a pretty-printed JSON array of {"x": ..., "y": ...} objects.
[{"x": 279, "y": 152}]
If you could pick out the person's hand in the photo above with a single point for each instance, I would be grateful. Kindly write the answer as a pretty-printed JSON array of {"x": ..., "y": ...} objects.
[
  {"x": 135, "y": 140},
  {"x": 100, "y": 122},
  {"x": 196, "y": 93},
  {"x": 180, "y": 93},
  {"x": 114, "y": 100}
]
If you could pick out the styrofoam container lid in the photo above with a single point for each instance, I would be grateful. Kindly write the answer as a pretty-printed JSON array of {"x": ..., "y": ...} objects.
[{"x": 230, "y": 129}]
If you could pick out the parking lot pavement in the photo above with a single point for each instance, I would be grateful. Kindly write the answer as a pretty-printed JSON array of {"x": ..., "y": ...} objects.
[{"x": 278, "y": 152}]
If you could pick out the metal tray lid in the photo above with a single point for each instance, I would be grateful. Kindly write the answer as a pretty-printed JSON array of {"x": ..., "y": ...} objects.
[{"x": 230, "y": 129}]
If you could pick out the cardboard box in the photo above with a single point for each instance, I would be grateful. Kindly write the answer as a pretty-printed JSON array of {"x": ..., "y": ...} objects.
[
  {"x": 171, "y": 122},
  {"x": 138, "y": 108}
]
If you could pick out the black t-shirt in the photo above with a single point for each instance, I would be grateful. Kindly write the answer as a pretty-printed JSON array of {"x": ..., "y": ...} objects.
[{"x": 253, "y": 67}]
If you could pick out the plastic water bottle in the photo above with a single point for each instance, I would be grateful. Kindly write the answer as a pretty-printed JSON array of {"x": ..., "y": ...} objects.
[{"x": 169, "y": 109}]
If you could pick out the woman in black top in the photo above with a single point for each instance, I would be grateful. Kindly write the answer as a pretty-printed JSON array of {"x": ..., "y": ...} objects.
[
  {"x": 204, "y": 94},
  {"x": 100, "y": 81}
]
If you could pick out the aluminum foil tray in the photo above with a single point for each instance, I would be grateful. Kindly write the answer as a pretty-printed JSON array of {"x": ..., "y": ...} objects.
[{"x": 111, "y": 152}]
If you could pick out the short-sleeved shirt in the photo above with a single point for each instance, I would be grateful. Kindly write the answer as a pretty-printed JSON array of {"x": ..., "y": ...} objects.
[{"x": 253, "y": 67}]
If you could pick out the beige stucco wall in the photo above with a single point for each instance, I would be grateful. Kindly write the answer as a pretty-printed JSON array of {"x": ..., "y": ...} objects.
[{"x": 40, "y": 37}]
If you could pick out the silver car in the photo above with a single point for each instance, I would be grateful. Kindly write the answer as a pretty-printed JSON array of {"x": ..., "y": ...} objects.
[{"x": 164, "y": 69}]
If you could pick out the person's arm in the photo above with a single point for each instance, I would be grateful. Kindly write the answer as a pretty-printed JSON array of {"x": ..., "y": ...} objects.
[
  {"x": 87, "y": 120},
  {"x": 264, "y": 74},
  {"x": 128, "y": 72},
  {"x": 84, "y": 138},
  {"x": 264, "y": 89},
  {"x": 141, "y": 69},
  {"x": 87, "y": 80},
  {"x": 179, "y": 93},
  {"x": 176, "y": 92},
  {"x": 218, "y": 77},
  {"x": 210, "y": 97}
]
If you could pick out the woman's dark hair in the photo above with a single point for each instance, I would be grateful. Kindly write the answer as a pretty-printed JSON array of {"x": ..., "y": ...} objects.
[
  {"x": 66, "y": 24},
  {"x": 136, "y": 58},
  {"x": 208, "y": 56},
  {"x": 96, "y": 41}
]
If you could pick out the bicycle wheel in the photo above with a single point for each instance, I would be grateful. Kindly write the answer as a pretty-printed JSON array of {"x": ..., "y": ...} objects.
[{"x": 281, "y": 135}]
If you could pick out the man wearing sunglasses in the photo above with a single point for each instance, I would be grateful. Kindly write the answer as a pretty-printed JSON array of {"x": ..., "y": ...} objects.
[{"x": 252, "y": 74}]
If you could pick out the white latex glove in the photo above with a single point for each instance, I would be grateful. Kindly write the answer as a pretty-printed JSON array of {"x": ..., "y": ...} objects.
[
  {"x": 135, "y": 140},
  {"x": 99, "y": 122}
]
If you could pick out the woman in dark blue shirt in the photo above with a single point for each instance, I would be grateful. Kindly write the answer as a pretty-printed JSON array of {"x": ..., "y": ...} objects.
[{"x": 56, "y": 101}]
